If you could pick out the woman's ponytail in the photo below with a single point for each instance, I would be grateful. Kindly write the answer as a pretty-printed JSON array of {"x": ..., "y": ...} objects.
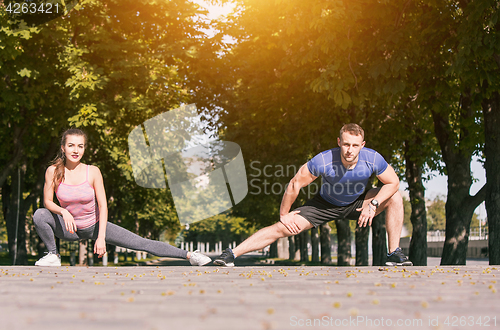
[{"x": 59, "y": 162}]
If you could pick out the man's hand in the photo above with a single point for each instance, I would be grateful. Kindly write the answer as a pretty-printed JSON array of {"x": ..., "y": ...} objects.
[
  {"x": 366, "y": 216},
  {"x": 288, "y": 221},
  {"x": 100, "y": 246}
]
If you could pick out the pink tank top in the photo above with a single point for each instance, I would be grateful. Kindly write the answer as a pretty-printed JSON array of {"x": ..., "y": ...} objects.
[{"x": 80, "y": 201}]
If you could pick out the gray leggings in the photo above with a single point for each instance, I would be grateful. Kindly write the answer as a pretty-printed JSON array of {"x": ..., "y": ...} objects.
[{"x": 48, "y": 224}]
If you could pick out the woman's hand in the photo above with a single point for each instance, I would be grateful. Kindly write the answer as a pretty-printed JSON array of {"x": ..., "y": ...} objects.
[
  {"x": 100, "y": 247},
  {"x": 69, "y": 221}
]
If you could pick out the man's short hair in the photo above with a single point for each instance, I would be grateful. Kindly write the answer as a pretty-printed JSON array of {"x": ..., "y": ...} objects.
[{"x": 352, "y": 128}]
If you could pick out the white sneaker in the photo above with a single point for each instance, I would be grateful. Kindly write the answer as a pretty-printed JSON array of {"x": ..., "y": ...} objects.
[
  {"x": 199, "y": 259},
  {"x": 50, "y": 259}
]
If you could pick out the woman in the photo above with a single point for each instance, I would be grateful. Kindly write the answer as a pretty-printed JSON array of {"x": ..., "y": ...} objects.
[{"x": 83, "y": 211}]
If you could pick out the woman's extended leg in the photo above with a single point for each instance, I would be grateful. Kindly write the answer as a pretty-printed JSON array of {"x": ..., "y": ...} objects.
[
  {"x": 48, "y": 225},
  {"x": 119, "y": 236}
]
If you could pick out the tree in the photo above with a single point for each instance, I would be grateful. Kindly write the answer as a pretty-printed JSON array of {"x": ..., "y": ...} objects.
[
  {"x": 379, "y": 242},
  {"x": 315, "y": 245},
  {"x": 130, "y": 64},
  {"x": 133, "y": 65},
  {"x": 406, "y": 76},
  {"x": 491, "y": 113},
  {"x": 361, "y": 237},
  {"x": 32, "y": 94},
  {"x": 477, "y": 61},
  {"x": 326, "y": 250},
  {"x": 291, "y": 73}
]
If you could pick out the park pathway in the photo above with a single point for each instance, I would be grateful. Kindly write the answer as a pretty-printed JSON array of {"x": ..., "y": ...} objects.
[{"x": 249, "y": 297}]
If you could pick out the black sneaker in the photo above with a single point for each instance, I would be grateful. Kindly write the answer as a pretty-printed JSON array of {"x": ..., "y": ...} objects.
[
  {"x": 398, "y": 258},
  {"x": 225, "y": 259}
]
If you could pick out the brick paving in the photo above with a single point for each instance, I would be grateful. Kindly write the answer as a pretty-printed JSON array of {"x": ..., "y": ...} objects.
[{"x": 249, "y": 297}]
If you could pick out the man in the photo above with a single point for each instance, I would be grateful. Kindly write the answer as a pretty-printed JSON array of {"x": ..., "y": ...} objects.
[{"x": 345, "y": 172}]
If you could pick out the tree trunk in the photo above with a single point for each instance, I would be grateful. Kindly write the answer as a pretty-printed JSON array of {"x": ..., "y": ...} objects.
[
  {"x": 18, "y": 219},
  {"x": 291, "y": 247},
  {"x": 418, "y": 243},
  {"x": 361, "y": 235},
  {"x": 111, "y": 252},
  {"x": 16, "y": 155},
  {"x": 379, "y": 241},
  {"x": 31, "y": 235},
  {"x": 460, "y": 205},
  {"x": 491, "y": 113},
  {"x": 90, "y": 252},
  {"x": 326, "y": 242},
  {"x": 315, "y": 245},
  {"x": 458, "y": 218},
  {"x": 304, "y": 255},
  {"x": 344, "y": 242},
  {"x": 15, "y": 218},
  {"x": 298, "y": 249},
  {"x": 82, "y": 252},
  {"x": 273, "y": 250}
]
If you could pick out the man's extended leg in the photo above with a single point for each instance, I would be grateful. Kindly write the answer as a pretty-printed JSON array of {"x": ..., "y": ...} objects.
[
  {"x": 261, "y": 239},
  {"x": 268, "y": 235}
]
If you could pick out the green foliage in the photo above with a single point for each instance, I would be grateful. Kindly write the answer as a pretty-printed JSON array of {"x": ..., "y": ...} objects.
[
  {"x": 436, "y": 214},
  {"x": 31, "y": 92},
  {"x": 298, "y": 71},
  {"x": 223, "y": 227},
  {"x": 106, "y": 68},
  {"x": 129, "y": 66},
  {"x": 293, "y": 74},
  {"x": 475, "y": 221}
]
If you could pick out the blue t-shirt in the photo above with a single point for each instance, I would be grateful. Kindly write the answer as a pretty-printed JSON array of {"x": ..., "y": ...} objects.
[{"x": 341, "y": 186}]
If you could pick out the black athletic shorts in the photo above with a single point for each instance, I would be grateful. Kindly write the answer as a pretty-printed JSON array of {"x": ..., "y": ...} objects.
[{"x": 318, "y": 211}]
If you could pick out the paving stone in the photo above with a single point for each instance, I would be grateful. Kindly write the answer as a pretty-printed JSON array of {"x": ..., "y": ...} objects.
[{"x": 250, "y": 297}]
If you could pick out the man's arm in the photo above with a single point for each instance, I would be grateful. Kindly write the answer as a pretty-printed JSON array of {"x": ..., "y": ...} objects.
[
  {"x": 391, "y": 184},
  {"x": 390, "y": 187},
  {"x": 302, "y": 179}
]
